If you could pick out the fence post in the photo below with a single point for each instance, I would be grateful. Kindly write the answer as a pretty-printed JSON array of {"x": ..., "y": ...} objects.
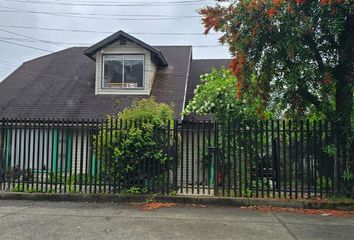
[
  {"x": 175, "y": 159},
  {"x": 2, "y": 150},
  {"x": 215, "y": 172}
]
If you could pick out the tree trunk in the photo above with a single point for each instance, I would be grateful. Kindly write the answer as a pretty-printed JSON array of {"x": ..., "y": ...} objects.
[
  {"x": 344, "y": 76},
  {"x": 344, "y": 98},
  {"x": 344, "y": 105}
]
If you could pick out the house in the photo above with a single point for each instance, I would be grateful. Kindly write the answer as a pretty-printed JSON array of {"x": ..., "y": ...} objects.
[
  {"x": 103, "y": 79},
  {"x": 90, "y": 83}
]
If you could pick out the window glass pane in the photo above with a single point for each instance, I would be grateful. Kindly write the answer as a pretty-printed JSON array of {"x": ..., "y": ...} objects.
[
  {"x": 114, "y": 57},
  {"x": 123, "y": 71},
  {"x": 113, "y": 73},
  {"x": 133, "y": 73},
  {"x": 134, "y": 57}
]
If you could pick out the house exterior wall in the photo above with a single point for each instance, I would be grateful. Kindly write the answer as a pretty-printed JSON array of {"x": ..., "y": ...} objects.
[
  {"x": 47, "y": 150},
  {"x": 192, "y": 169},
  {"x": 82, "y": 154},
  {"x": 150, "y": 68},
  {"x": 36, "y": 149}
]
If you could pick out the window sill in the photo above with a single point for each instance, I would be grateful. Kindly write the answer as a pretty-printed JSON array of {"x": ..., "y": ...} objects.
[{"x": 117, "y": 91}]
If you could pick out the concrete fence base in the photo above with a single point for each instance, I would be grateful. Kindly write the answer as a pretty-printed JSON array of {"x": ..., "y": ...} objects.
[{"x": 198, "y": 200}]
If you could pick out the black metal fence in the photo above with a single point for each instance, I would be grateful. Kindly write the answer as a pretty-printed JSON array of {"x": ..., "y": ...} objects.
[{"x": 269, "y": 158}]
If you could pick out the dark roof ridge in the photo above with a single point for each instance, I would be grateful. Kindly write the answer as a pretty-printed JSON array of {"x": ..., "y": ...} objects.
[{"x": 112, "y": 38}]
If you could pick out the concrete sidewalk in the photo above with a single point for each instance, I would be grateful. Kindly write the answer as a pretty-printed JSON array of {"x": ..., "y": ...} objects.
[{"x": 69, "y": 220}]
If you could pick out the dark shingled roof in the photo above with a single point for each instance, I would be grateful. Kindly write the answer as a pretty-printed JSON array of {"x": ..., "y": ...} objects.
[
  {"x": 62, "y": 85},
  {"x": 197, "y": 68}
]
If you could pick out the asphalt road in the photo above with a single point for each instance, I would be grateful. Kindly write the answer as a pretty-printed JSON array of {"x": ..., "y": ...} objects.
[{"x": 68, "y": 220}]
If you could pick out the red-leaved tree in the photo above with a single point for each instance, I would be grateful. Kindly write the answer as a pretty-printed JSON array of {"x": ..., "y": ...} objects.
[{"x": 297, "y": 56}]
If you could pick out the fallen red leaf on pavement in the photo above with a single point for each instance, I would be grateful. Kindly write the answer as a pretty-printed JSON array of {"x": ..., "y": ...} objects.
[{"x": 155, "y": 205}]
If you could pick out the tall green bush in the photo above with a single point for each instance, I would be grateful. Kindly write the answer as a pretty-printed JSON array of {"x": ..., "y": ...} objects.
[{"x": 133, "y": 148}]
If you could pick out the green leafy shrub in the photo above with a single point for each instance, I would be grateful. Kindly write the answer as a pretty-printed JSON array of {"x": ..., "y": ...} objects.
[
  {"x": 136, "y": 190},
  {"x": 173, "y": 193},
  {"x": 262, "y": 183},
  {"x": 323, "y": 183},
  {"x": 149, "y": 111},
  {"x": 216, "y": 94},
  {"x": 247, "y": 193},
  {"x": 330, "y": 150},
  {"x": 18, "y": 188},
  {"x": 347, "y": 176},
  {"x": 134, "y": 146},
  {"x": 22, "y": 187}
]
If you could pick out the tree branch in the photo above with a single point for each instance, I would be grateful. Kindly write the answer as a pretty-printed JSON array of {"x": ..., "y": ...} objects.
[{"x": 306, "y": 95}]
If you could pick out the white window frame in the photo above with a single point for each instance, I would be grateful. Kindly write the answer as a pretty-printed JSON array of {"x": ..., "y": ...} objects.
[{"x": 122, "y": 57}]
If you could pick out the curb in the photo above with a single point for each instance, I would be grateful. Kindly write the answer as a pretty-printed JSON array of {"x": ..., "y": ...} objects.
[{"x": 197, "y": 200}]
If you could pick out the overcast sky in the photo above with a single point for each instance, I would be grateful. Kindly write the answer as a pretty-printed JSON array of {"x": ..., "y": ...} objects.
[{"x": 53, "y": 25}]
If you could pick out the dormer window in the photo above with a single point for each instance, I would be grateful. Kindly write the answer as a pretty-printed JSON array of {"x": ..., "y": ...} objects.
[
  {"x": 123, "y": 71},
  {"x": 125, "y": 65}
]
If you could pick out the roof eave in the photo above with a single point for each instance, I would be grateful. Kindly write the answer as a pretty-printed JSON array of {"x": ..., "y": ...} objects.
[{"x": 96, "y": 47}]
